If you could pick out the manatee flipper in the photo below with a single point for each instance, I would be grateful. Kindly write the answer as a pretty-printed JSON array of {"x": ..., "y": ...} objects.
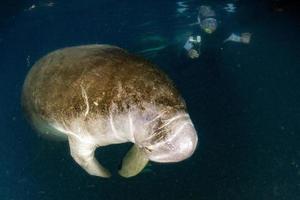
[
  {"x": 134, "y": 162},
  {"x": 83, "y": 154}
]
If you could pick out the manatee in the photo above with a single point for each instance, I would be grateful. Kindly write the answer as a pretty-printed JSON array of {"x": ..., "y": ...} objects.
[{"x": 98, "y": 95}]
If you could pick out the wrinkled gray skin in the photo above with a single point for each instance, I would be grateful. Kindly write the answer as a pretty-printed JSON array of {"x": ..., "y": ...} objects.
[{"x": 97, "y": 95}]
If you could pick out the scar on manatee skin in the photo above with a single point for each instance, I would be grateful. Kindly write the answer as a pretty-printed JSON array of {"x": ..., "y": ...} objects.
[{"x": 86, "y": 100}]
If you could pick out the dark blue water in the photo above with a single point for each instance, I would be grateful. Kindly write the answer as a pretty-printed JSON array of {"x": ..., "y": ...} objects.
[{"x": 243, "y": 99}]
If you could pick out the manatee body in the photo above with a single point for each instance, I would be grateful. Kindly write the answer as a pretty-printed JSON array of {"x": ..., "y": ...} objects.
[{"x": 97, "y": 95}]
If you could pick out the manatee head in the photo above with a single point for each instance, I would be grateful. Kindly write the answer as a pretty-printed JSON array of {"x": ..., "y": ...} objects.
[{"x": 168, "y": 138}]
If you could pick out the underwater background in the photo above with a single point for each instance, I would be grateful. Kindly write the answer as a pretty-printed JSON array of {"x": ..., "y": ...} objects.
[{"x": 244, "y": 100}]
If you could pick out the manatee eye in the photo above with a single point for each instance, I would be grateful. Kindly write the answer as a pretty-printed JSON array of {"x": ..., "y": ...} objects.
[{"x": 148, "y": 150}]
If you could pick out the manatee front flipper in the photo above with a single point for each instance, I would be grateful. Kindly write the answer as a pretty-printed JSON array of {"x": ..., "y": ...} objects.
[
  {"x": 83, "y": 154},
  {"x": 134, "y": 162}
]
